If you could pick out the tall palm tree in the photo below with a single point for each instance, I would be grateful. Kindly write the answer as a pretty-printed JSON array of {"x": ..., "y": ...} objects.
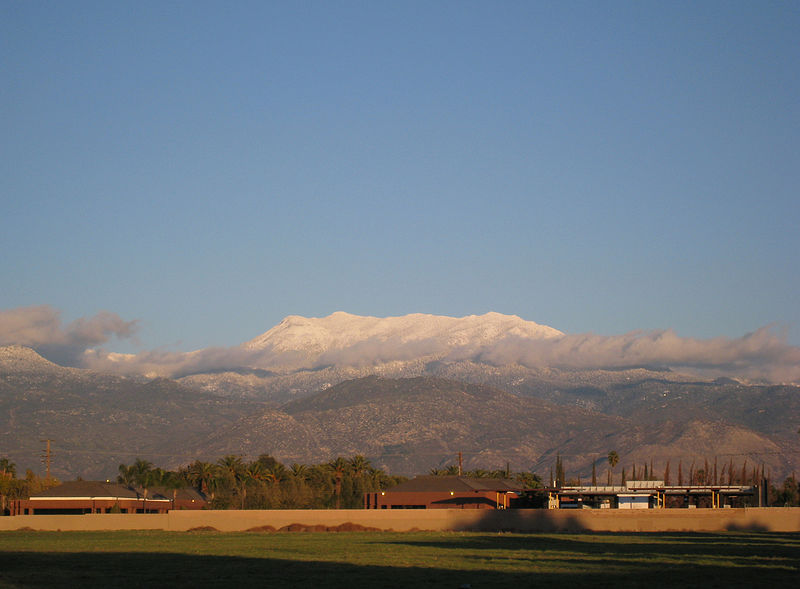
[
  {"x": 231, "y": 468},
  {"x": 231, "y": 465},
  {"x": 613, "y": 460},
  {"x": 201, "y": 474},
  {"x": 126, "y": 475},
  {"x": 339, "y": 468},
  {"x": 278, "y": 472},
  {"x": 251, "y": 473},
  {"x": 358, "y": 465}
]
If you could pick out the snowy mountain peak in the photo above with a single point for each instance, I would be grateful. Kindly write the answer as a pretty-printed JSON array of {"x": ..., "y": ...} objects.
[
  {"x": 439, "y": 334},
  {"x": 16, "y": 358}
]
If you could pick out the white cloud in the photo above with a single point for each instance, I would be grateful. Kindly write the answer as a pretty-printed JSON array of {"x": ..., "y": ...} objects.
[
  {"x": 40, "y": 327},
  {"x": 761, "y": 355}
]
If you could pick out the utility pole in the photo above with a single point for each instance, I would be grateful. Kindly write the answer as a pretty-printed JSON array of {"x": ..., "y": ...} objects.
[
  {"x": 460, "y": 463},
  {"x": 46, "y": 458}
]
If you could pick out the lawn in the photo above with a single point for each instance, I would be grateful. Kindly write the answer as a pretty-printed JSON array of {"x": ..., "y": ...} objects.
[{"x": 382, "y": 559}]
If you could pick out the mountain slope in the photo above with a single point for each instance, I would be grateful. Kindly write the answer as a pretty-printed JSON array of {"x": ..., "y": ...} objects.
[
  {"x": 407, "y": 425},
  {"x": 97, "y": 421},
  {"x": 411, "y": 425}
]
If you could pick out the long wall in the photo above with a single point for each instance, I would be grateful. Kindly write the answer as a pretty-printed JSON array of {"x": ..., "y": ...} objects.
[{"x": 781, "y": 519}]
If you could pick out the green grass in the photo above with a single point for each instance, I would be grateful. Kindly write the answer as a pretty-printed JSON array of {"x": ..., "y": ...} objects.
[{"x": 408, "y": 560}]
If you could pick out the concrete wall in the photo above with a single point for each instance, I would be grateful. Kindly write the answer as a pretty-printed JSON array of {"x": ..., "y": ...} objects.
[{"x": 781, "y": 519}]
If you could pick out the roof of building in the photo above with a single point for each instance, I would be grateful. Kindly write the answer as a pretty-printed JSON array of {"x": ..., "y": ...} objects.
[
  {"x": 446, "y": 484},
  {"x": 180, "y": 494},
  {"x": 102, "y": 489},
  {"x": 87, "y": 489}
]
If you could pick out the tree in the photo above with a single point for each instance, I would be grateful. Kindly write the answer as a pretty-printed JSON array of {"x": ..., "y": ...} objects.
[
  {"x": 529, "y": 480},
  {"x": 126, "y": 475},
  {"x": 252, "y": 473},
  {"x": 299, "y": 471},
  {"x": 231, "y": 468},
  {"x": 8, "y": 470},
  {"x": 613, "y": 460},
  {"x": 8, "y": 483},
  {"x": 338, "y": 468},
  {"x": 358, "y": 465},
  {"x": 560, "y": 474},
  {"x": 200, "y": 474}
]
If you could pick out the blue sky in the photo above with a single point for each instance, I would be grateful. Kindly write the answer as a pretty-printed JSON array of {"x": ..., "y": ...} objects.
[{"x": 207, "y": 168}]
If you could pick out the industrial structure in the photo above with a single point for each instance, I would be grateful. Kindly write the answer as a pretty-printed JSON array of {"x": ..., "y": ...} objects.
[
  {"x": 656, "y": 495},
  {"x": 456, "y": 492}
]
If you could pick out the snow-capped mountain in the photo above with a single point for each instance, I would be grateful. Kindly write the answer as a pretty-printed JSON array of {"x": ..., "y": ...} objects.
[
  {"x": 428, "y": 333},
  {"x": 340, "y": 340}
]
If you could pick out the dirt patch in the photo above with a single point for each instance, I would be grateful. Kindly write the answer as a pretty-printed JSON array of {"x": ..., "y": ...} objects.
[
  {"x": 345, "y": 527},
  {"x": 351, "y": 527},
  {"x": 294, "y": 528},
  {"x": 266, "y": 528}
]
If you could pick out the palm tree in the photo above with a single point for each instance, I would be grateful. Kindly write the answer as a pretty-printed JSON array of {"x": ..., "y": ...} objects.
[
  {"x": 141, "y": 469},
  {"x": 201, "y": 474},
  {"x": 359, "y": 465},
  {"x": 173, "y": 482},
  {"x": 613, "y": 460},
  {"x": 8, "y": 470},
  {"x": 126, "y": 475},
  {"x": 278, "y": 472},
  {"x": 299, "y": 471},
  {"x": 339, "y": 468},
  {"x": 231, "y": 467},
  {"x": 253, "y": 472}
]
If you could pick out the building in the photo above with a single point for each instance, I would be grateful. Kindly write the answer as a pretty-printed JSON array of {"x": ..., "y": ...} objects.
[
  {"x": 447, "y": 492},
  {"x": 82, "y": 497},
  {"x": 654, "y": 495}
]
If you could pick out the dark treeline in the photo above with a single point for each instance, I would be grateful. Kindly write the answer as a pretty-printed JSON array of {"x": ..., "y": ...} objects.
[
  {"x": 529, "y": 480},
  {"x": 265, "y": 483},
  {"x": 234, "y": 483}
]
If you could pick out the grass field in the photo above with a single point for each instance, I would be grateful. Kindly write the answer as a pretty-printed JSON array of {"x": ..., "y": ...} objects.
[{"x": 394, "y": 560}]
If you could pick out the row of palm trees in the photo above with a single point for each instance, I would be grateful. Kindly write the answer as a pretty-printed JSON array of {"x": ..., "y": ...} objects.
[
  {"x": 530, "y": 480},
  {"x": 234, "y": 483}
]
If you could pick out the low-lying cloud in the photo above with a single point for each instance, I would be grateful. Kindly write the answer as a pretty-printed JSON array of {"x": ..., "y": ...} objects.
[
  {"x": 40, "y": 328},
  {"x": 761, "y": 355},
  {"x": 764, "y": 355}
]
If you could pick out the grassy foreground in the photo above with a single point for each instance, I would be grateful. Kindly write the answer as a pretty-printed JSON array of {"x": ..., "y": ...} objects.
[{"x": 408, "y": 560}]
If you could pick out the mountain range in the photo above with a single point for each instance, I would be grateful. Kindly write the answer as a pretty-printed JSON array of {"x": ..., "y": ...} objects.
[{"x": 409, "y": 392}]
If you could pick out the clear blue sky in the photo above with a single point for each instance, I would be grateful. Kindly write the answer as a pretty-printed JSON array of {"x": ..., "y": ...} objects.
[{"x": 210, "y": 167}]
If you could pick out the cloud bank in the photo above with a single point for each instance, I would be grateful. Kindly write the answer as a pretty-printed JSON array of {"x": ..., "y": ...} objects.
[
  {"x": 763, "y": 355},
  {"x": 40, "y": 328}
]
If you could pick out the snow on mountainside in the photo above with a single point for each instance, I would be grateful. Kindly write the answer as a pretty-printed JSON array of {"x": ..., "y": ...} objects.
[
  {"x": 16, "y": 358},
  {"x": 341, "y": 331}
]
